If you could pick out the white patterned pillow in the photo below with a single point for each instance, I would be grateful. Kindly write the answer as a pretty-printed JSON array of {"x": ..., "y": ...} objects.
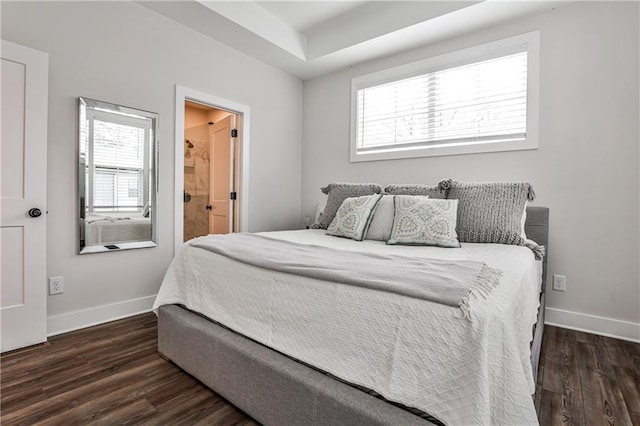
[
  {"x": 424, "y": 221},
  {"x": 353, "y": 217},
  {"x": 337, "y": 193},
  {"x": 382, "y": 222}
]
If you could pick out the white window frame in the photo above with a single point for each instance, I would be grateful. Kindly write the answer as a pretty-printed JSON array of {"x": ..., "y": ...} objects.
[
  {"x": 125, "y": 120},
  {"x": 528, "y": 41}
]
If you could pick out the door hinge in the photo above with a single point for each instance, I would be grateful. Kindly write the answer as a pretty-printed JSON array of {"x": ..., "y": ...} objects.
[
  {"x": 234, "y": 133},
  {"x": 233, "y": 195}
]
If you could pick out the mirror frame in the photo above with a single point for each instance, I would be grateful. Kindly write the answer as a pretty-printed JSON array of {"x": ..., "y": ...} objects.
[{"x": 84, "y": 102}]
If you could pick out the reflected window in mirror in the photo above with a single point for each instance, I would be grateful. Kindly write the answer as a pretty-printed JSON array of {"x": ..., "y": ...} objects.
[{"x": 116, "y": 177}]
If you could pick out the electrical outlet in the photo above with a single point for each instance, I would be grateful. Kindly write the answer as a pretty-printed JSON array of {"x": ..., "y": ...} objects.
[
  {"x": 559, "y": 283},
  {"x": 56, "y": 285}
]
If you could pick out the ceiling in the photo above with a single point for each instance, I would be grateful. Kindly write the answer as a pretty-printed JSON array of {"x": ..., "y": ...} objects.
[
  {"x": 304, "y": 15},
  {"x": 196, "y": 105},
  {"x": 311, "y": 38}
]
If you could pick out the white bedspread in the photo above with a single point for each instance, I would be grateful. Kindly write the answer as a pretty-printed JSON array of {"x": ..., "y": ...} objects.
[
  {"x": 409, "y": 350},
  {"x": 105, "y": 230}
]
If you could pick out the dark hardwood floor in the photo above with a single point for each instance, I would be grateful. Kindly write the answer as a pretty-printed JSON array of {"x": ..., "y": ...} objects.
[
  {"x": 112, "y": 374},
  {"x": 586, "y": 379}
]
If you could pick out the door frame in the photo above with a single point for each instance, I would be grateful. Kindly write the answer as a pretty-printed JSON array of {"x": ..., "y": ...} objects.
[{"x": 242, "y": 113}]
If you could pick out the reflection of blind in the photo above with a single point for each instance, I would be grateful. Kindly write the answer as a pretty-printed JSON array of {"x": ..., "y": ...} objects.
[
  {"x": 118, "y": 160},
  {"x": 482, "y": 101},
  {"x": 118, "y": 145},
  {"x": 116, "y": 188}
]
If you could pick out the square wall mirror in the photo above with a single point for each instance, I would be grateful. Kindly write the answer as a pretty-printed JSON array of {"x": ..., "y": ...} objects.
[{"x": 117, "y": 177}]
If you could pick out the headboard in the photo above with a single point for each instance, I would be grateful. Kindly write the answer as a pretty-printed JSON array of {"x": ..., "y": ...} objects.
[{"x": 537, "y": 229}]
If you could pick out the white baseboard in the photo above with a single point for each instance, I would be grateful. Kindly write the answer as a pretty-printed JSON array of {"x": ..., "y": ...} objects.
[
  {"x": 609, "y": 327},
  {"x": 70, "y": 321}
]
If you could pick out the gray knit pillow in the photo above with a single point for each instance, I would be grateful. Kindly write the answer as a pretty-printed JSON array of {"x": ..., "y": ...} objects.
[
  {"x": 337, "y": 193},
  {"x": 424, "y": 221},
  {"x": 353, "y": 217},
  {"x": 491, "y": 212},
  {"x": 416, "y": 189},
  {"x": 382, "y": 222}
]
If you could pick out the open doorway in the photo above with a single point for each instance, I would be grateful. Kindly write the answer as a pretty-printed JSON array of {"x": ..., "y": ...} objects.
[
  {"x": 210, "y": 164},
  {"x": 240, "y": 177}
]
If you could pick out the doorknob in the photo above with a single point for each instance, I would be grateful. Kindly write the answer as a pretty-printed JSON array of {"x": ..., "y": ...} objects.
[
  {"x": 35, "y": 212},
  {"x": 208, "y": 207}
]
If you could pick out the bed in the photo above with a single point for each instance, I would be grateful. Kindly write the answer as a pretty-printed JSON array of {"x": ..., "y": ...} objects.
[
  {"x": 100, "y": 230},
  {"x": 259, "y": 342}
]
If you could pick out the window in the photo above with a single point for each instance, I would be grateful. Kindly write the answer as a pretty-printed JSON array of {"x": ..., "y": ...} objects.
[
  {"x": 481, "y": 99},
  {"x": 118, "y": 158}
]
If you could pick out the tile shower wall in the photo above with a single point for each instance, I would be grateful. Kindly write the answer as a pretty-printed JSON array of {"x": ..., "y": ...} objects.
[{"x": 196, "y": 182}]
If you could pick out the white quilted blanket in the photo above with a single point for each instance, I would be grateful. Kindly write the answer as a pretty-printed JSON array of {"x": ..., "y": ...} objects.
[{"x": 409, "y": 350}]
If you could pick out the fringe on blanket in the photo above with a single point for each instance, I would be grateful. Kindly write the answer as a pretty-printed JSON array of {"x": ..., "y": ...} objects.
[
  {"x": 538, "y": 250},
  {"x": 487, "y": 280}
]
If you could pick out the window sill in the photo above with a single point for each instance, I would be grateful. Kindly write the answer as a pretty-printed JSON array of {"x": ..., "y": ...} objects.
[{"x": 443, "y": 150}]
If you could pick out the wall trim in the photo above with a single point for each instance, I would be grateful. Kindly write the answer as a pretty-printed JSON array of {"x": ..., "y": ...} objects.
[
  {"x": 594, "y": 324},
  {"x": 76, "y": 320}
]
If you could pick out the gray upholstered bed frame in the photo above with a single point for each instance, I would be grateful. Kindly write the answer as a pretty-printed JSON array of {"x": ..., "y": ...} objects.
[{"x": 276, "y": 390}]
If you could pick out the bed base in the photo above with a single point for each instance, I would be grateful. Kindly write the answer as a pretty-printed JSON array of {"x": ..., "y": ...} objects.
[
  {"x": 270, "y": 387},
  {"x": 537, "y": 229},
  {"x": 277, "y": 390}
]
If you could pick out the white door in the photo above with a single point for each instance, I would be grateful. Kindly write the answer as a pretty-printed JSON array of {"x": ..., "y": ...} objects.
[
  {"x": 222, "y": 177},
  {"x": 23, "y": 187}
]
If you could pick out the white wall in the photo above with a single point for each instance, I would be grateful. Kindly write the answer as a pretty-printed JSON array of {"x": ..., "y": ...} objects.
[
  {"x": 585, "y": 170},
  {"x": 124, "y": 53}
]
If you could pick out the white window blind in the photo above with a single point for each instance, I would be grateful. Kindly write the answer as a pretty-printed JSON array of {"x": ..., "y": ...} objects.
[
  {"x": 476, "y": 102},
  {"x": 118, "y": 160}
]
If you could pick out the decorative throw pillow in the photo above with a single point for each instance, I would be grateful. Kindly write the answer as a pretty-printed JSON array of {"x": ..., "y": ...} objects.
[
  {"x": 319, "y": 210},
  {"x": 337, "y": 193},
  {"x": 353, "y": 217},
  {"x": 424, "y": 221},
  {"x": 523, "y": 221},
  {"x": 382, "y": 222},
  {"x": 492, "y": 212},
  {"x": 416, "y": 189}
]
